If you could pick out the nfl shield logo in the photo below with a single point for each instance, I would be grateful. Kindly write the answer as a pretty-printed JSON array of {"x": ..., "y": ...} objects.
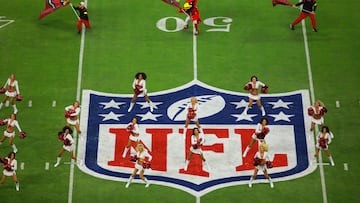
[{"x": 227, "y": 133}]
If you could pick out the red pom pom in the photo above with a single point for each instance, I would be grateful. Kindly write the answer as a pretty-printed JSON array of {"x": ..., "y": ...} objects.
[
  {"x": 2, "y": 90},
  {"x": 323, "y": 111},
  {"x": 2, "y": 122},
  {"x": 133, "y": 158},
  {"x": 7, "y": 167},
  {"x": 146, "y": 165},
  {"x": 269, "y": 164},
  {"x": 265, "y": 130},
  {"x": 18, "y": 97},
  {"x": 310, "y": 111},
  {"x": 264, "y": 89},
  {"x": 67, "y": 142},
  {"x": 22, "y": 135},
  {"x": 248, "y": 87},
  {"x": 68, "y": 113},
  {"x": 61, "y": 136}
]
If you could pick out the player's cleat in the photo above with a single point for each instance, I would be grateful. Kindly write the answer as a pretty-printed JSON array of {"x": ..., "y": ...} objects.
[
  {"x": 292, "y": 27},
  {"x": 314, "y": 30}
]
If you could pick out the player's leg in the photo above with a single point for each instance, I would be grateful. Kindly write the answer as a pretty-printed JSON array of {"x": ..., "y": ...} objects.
[
  {"x": 253, "y": 177},
  {"x": 187, "y": 121},
  {"x": 131, "y": 177},
  {"x": 142, "y": 177},
  {"x": 132, "y": 103},
  {"x": 249, "y": 147},
  {"x": 126, "y": 149},
  {"x": 11, "y": 143},
  {"x": 258, "y": 102},
  {"x": 330, "y": 157},
  {"x": 58, "y": 158},
  {"x": 3, "y": 101},
  {"x": 3, "y": 178},
  {"x": 12, "y": 102},
  {"x": 149, "y": 101},
  {"x": 268, "y": 177},
  {"x": 187, "y": 161},
  {"x": 17, "y": 185}
]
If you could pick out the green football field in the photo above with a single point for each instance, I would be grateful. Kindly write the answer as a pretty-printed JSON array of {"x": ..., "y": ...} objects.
[{"x": 46, "y": 58}]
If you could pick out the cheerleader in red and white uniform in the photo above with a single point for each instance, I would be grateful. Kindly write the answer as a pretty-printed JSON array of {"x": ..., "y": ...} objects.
[
  {"x": 261, "y": 131},
  {"x": 11, "y": 90},
  {"x": 262, "y": 163},
  {"x": 10, "y": 123},
  {"x": 139, "y": 86},
  {"x": 69, "y": 144},
  {"x": 10, "y": 167},
  {"x": 140, "y": 164},
  {"x": 323, "y": 139},
  {"x": 317, "y": 113},
  {"x": 192, "y": 109},
  {"x": 133, "y": 129},
  {"x": 253, "y": 88},
  {"x": 197, "y": 140},
  {"x": 192, "y": 11},
  {"x": 72, "y": 116}
]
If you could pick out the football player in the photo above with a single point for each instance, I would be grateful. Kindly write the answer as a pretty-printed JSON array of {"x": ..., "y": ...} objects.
[
  {"x": 192, "y": 11},
  {"x": 10, "y": 167},
  {"x": 261, "y": 131},
  {"x": 11, "y": 90}
]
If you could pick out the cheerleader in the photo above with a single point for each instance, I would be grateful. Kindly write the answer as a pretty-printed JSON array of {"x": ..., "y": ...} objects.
[
  {"x": 72, "y": 116},
  {"x": 261, "y": 162},
  {"x": 133, "y": 129},
  {"x": 10, "y": 130},
  {"x": 192, "y": 109},
  {"x": 139, "y": 86},
  {"x": 69, "y": 144},
  {"x": 260, "y": 132},
  {"x": 10, "y": 167},
  {"x": 323, "y": 139},
  {"x": 253, "y": 88},
  {"x": 11, "y": 89},
  {"x": 317, "y": 113},
  {"x": 197, "y": 140},
  {"x": 140, "y": 164}
]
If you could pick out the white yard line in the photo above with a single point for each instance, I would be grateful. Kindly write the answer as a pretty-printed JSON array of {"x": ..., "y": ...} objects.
[
  {"x": 78, "y": 92},
  {"x": 312, "y": 95},
  {"x": 194, "y": 53}
]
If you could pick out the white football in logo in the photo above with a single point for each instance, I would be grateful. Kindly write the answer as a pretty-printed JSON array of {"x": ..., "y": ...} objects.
[{"x": 208, "y": 106}]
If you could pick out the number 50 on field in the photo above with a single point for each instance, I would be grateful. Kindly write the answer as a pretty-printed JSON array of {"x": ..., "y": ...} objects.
[{"x": 217, "y": 24}]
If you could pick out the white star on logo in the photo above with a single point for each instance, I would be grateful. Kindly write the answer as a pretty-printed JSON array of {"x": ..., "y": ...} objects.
[
  {"x": 281, "y": 116},
  {"x": 240, "y": 104},
  {"x": 111, "y": 116},
  {"x": 280, "y": 104},
  {"x": 145, "y": 104},
  {"x": 112, "y": 104},
  {"x": 243, "y": 116},
  {"x": 149, "y": 116}
]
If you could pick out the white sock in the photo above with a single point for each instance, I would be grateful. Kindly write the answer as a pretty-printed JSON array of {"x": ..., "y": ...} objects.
[
  {"x": 151, "y": 106},
  {"x": 246, "y": 151},
  {"x": 186, "y": 165},
  {"x": 129, "y": 182},
  {"x": 263, "y": 111},
  {"x": 58, "y": 159},
  {"x": 1, "y": 105},
  {"x": 125, "y": 152},
  {"x": 14, "y": 147},
  {"x": 131, "y": 106}
]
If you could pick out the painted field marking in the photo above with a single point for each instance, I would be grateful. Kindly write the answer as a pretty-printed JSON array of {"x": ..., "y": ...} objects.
[
  {"x": 22, "y": 165},
  {"x": 30, "y": 103},
  {"x": 337, "y": 104},
  {"x": 47, "y": 164},
  {"x": 346, "y": 167},
  {"x": 53, "y": 103}
]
